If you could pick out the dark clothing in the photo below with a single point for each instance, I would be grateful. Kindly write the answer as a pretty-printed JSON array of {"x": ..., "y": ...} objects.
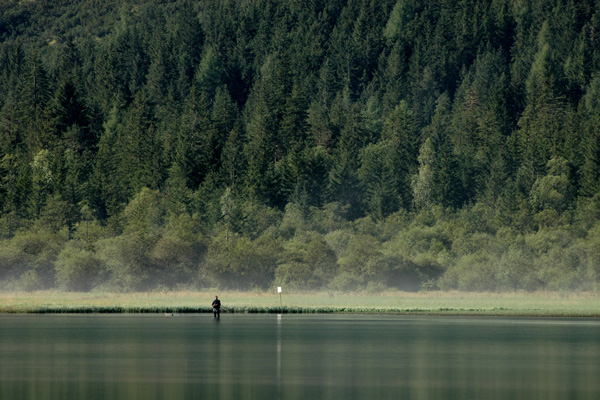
[{"x": 216, "y": 304}]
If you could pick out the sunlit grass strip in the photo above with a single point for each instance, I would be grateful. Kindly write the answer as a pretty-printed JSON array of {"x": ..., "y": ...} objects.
[{"x": 542, "y": 304}]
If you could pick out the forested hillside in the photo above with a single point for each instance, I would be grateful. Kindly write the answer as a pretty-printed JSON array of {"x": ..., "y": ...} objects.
[{"x": 315, "y": 144}]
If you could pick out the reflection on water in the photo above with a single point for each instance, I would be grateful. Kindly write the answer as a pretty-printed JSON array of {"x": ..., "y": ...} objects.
[{"x": 296, "y": 357}]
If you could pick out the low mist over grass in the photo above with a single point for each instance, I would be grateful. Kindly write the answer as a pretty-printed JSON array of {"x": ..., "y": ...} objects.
[{"x": 428, "y": 303}]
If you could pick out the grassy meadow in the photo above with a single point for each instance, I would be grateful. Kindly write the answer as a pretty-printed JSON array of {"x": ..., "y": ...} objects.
[{"x": 549, "y": 304}]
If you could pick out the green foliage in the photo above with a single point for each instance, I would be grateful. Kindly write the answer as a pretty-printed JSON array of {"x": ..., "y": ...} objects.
[
  {"x": 77, "y": 269},
  {"x": 178, "y": 252},
  {"x": 123, "y": 260},
  {"x": 306, "y": 262},
  {"x": 234, "y": 261},
  {"x": 422, "y": 182},
  {"x": 346, "y": 144},
  {"x": 30, "y": 256}
]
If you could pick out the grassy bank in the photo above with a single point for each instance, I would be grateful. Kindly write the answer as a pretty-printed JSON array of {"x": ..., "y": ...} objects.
[{"x": 548, "y": 304}]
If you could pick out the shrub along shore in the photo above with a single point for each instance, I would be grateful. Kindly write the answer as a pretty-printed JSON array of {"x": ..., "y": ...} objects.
[{"x": 529, "y": 304}]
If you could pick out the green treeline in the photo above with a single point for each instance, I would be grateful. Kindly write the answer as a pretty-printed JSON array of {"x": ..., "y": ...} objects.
[{"x": 316, "y": 144}]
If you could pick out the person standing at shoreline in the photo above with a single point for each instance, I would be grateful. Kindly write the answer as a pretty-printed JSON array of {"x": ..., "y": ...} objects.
[{"x": 216, "y": 305}]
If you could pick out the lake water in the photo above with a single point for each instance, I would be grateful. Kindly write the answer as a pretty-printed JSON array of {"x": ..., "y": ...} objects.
[{"x": 296, "y": 357}]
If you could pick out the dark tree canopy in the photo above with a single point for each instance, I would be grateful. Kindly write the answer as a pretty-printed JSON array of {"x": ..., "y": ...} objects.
[{"x": 343, "y": 144}]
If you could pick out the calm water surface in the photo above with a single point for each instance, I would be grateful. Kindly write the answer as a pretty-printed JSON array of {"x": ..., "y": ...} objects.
[{"x": 296, "y": 357}]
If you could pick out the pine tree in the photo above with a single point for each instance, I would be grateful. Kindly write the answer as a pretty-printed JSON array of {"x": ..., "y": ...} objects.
[
  {"x": 193, "y": 149},
  {"x": 137, "y": 149},
  {"x": 108, "y": 193},
  {"x": 224, "y": 115},
  {"x": 402, "y": 139},
  {"x": 344, "y": 185},
  {"x": 11, "y": 129},
  {"x": 12, "y": 66},
  {"x": 188, "y": 40},
  {"x": 34, "y": 95},
  {"x": 423, "y": 181},
  {"x": 260, "y": 151},
  {"x": 233, "y": 159},
  {"x": 293, "y": 127},
  {"x": 394, "y": 75},
  {"x": 209, "y": 72},
  {"x": 43, "y": 179},
  {"x": 12, "y": 192},
  {"x": 541, "y": 123},
  {"x": 590, "y": 170},
  {"x": 378, "y": 180},
  {"x": 480, "y": 122},
  {"x": 68, "y": 114},
  {"x": 447, "y": 187},
  {"x": 160, "y": 72}
]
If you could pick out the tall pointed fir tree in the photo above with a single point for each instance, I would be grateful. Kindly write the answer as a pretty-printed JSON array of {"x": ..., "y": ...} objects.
[
  {"x": 447, "y": 187},
  {"x": 590, "y": 170},
  {"x": 193, "y": 150},
  {"x": 344, "y": 185},
  {"x": 34, "y": 95}
]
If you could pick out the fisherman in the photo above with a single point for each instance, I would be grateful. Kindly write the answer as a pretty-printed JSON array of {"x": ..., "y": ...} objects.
[{"x": 216, "y": 305}]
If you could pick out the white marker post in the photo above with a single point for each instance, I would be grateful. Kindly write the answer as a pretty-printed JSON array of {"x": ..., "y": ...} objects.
[{"x": 280, "y": 301}]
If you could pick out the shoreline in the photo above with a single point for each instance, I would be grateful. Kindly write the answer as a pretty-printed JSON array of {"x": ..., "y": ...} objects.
[
  {"x": 253, "y": 310},
  {"x": 513, "y": 304}
]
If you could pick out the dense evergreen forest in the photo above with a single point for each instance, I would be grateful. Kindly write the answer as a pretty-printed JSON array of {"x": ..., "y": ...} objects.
[{"x": 315, "y": 144}]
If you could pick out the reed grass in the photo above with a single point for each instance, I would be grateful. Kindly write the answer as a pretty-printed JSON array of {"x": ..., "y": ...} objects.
[{"x": 543, "y": 304}]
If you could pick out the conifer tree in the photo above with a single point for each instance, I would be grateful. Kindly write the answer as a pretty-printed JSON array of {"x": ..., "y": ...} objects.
[
  {"x": 188, "y": 42},
  {"x": 193, "y": 151},
  {"x": 233, "y": 158},
  {"x": 293, "y": 127},
  {"x": 260, "y": 151},
  {"x": 224, "y": 115},
  {"x": 423, "y": 181},
  {"x": 542, "y": 118},
  {"x": 590, "y": 174},
  {"x": 33, "y": 95},
  {"x": 344, "y": 185},
  {"x": 447, "y": 187}
]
